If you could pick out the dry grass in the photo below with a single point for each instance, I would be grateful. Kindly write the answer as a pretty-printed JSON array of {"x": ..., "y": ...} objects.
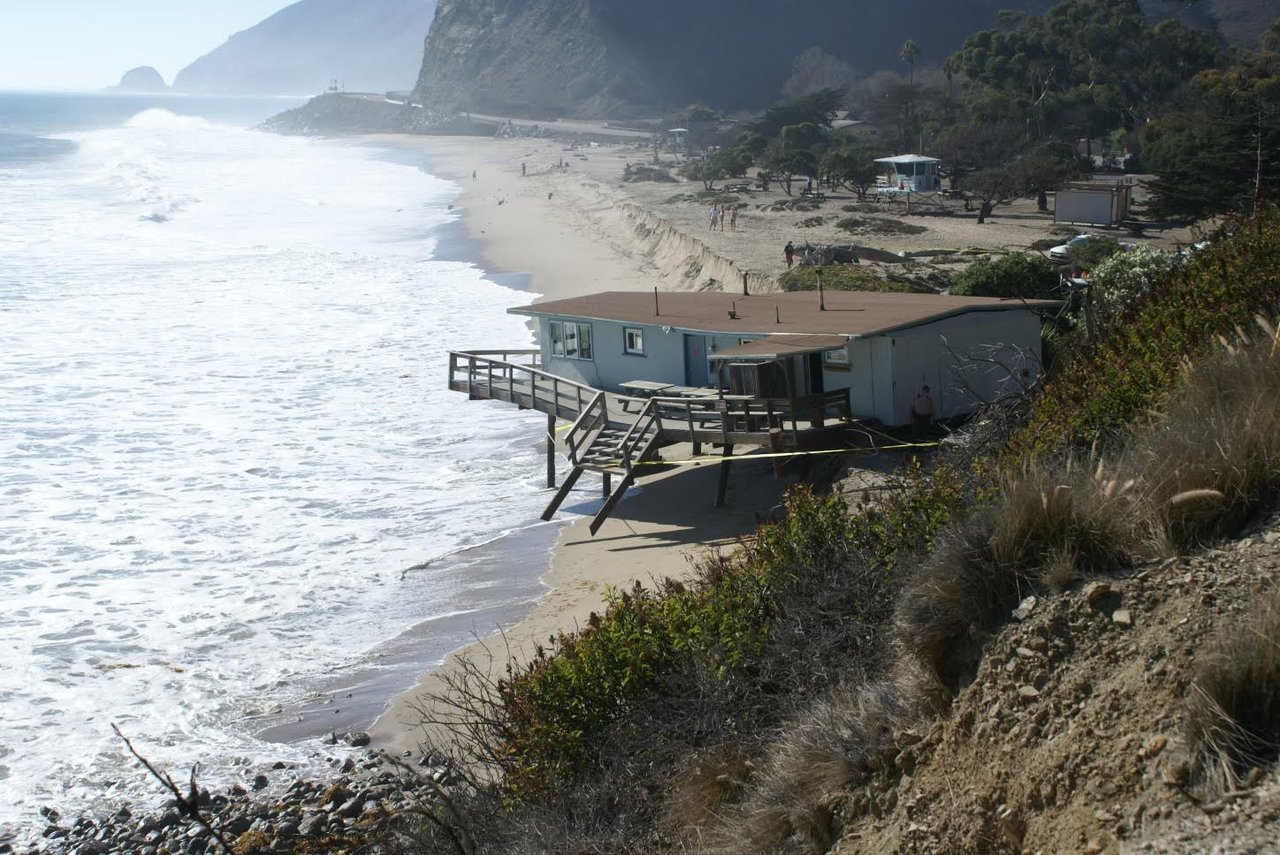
[
  {"x": 838, "y": 743},
  {"x": 1233, "y": 714}
]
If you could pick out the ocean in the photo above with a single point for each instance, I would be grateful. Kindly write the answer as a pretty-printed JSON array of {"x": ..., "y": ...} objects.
[{"x": 239, "y": 507}]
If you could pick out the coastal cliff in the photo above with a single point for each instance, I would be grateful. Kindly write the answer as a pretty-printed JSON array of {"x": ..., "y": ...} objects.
[
  {"x": 593, "y": 58},
  {"x": 374, "y": 46}
]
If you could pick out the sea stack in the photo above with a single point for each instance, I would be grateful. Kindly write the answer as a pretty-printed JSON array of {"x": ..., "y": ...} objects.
[{"x": 144, "y": 78}]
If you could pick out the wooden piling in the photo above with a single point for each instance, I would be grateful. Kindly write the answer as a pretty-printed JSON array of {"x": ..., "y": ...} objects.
[
  {"x": 551, "y": 451},
  {"x": 723, "y": 486}
]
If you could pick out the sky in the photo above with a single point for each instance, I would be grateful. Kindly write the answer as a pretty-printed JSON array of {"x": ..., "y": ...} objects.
[{"x": 88, "y": 44}]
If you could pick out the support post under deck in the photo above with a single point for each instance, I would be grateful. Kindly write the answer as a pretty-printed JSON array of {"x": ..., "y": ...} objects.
[
  {"x": 723, "y": 486},
  {"x": 562, "y": 493},
  {"x": 551, "y": 451},
  {"x": 607, "y": 483}
]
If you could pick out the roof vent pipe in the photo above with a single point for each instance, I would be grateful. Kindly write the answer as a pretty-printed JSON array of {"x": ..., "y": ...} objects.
[
  {"x": 656, "y": 313},
  {"x": 745, "y": 292},
  {"x": 822, "y": 298},
  {"x": 777, "y": 315}
]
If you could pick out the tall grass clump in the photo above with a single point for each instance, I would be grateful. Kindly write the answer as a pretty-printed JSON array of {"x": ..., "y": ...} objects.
[
  {"x": 1044, "y": 529},
  {"x": 1233, "y": 713},
  {"x": 1212, "y": 459},
  {"x": 839, "y": 742}
]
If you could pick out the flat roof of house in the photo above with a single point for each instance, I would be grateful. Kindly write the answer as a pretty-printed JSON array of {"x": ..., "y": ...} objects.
[{"x": 849, "y": 313}]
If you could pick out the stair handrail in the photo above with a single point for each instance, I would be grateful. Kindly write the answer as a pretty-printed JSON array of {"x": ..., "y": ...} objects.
[
  {"x": 646, "y": 419},
  {"x": 593, "y": 415}
]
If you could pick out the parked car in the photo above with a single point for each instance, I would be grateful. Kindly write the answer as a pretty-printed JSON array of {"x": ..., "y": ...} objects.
[{"x": 1059, "y": 254}]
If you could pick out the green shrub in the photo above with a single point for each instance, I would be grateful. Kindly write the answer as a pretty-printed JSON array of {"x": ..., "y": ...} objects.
[
  {"x": 1112, "y": 380},
  {"x": 811, "y": 222},
  {"x": 1021, "y": 275},
  {"x": 853, "y": 277}
]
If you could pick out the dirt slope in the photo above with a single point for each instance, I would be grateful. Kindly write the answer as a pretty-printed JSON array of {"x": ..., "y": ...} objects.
[{"x": 1070, "y": 739}]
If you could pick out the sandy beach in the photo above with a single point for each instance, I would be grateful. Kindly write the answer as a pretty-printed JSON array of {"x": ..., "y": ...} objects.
[{"x": 562, "y": 215}]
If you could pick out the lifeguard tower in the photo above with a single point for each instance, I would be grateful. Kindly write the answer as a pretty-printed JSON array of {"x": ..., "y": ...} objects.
[{"x": 909, "y": 173}]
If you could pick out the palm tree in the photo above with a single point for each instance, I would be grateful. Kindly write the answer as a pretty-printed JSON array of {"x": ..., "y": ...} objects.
[{"x": 910, "y": 53}]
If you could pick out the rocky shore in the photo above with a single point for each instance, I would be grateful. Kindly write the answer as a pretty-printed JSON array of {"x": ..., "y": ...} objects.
[{"x": 273, "y": 812}]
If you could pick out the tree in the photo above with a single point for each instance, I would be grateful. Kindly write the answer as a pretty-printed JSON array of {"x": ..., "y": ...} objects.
[
  {"x": 1046, "y": 168},
  {"x": 1224, "y": 154},
  {"x": 851, "y": 165},
  {"x": 707, "y": 170},
  {"x": 909, "y": 54},
  {"x": 991, "y": 186},
  {"x": 716, "y": 166},
  {"x": 817, "y": 108},
  {"x": 1020, "y": 275},
  {"x": 815, "y": 70},
  {"x": 788, "y": 163}
]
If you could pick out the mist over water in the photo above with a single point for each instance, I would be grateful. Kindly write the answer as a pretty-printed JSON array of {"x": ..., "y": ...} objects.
[{"x": 224, "y": 437}]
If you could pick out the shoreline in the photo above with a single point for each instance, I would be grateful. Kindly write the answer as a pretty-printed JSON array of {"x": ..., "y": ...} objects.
[{"x": 567, "y": 235}]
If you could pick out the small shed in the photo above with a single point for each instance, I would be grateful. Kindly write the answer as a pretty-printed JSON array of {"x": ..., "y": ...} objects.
[
  {"x": 1093, "y": 203},
  {"x": 911, "y": 173}
]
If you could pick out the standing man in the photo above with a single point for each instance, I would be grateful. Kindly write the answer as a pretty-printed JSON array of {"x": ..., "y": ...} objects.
[
  {"x": 790, "y": 252},
  {"x": 922, "y": 414}
]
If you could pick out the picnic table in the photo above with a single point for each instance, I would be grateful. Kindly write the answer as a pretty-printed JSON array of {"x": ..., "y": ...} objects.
[
  {"x": 644, "y": 388},
  {"x": 688, "y": 392}
]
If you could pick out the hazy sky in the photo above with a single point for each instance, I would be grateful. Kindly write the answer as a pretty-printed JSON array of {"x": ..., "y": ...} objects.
[{"x": 89, "y": 44}]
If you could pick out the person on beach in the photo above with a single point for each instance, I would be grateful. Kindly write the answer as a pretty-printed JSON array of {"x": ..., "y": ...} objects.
[
  {"x": 790, "y": 252},
  {"x": 715, "y": 215},
  {"x": 722, "y": 211},
  {"x": 473, "y": 175},
  {"x": 922, "y": 414},
  {"x": 733, "y": 220}
]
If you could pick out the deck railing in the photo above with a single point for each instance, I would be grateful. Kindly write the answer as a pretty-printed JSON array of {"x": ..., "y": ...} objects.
[
  {"x": 514, "y": 376},
  {"x": 737, "y": 414}
]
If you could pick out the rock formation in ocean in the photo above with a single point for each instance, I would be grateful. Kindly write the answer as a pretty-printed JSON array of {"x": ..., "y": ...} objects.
[
  {"x": 366, "y": 46},
  {"x": 144, "y": 78},
  {"x": 618, "y": 57}
]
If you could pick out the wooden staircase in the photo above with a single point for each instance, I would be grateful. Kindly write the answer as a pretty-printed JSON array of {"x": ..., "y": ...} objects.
[{"x": 597, "y": 443}]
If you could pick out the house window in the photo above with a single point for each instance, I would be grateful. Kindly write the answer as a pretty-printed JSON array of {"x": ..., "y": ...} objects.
[
  {"x": 633, "y": 340},
  {"x": 571, "y": 340},
  {"x": 557, "y": 338}
]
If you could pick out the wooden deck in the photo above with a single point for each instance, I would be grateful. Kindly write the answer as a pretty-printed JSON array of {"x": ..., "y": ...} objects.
[
  {"x": 516, "y": 378},
  {"x": 613, "y": 434}
]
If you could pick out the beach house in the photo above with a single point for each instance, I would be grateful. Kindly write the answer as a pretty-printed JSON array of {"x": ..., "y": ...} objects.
[{"x": 634, "y": 371}]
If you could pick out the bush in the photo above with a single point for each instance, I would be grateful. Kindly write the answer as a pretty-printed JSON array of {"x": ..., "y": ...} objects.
[
  {"x": 1021, "y": 275},
  {"x": 1111, "y": 381},
  {"x": 853, "y": 277},
  {"x": 1124, "y": 278},
  {"x": 1233, "y": 714},
  {"x": 879, "y": 226}
]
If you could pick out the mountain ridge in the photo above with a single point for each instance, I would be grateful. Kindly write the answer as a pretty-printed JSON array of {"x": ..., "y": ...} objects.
[
  {"x": 611, "y": 58},
  {"x": 303, "y": 48}
]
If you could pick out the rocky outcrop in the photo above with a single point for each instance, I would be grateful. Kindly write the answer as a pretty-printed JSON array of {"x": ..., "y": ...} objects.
[
  {"x": 370, "y": 46},
  {"x": 546, "y": 58},
  {"x": 144, "y": 78}
]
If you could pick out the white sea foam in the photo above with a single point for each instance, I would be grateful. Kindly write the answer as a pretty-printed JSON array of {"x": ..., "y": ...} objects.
[{"x": 225, "y": 434}]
